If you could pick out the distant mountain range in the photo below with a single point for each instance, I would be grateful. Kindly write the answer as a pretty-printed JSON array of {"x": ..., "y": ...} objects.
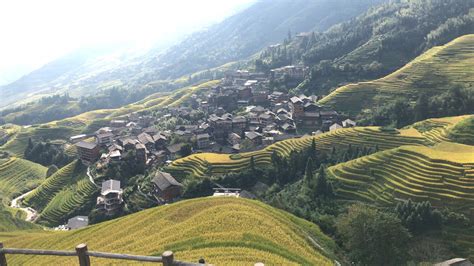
[{"x": 235, "y": 38}]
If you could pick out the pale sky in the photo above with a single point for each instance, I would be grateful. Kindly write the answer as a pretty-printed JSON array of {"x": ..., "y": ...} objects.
[{"x": 34, "y": 32}]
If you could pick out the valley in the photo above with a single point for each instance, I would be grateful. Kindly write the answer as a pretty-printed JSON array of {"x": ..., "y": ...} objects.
[{"x": 334, "y": 133}]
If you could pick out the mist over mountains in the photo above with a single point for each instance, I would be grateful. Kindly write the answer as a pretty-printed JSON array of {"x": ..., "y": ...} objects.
[{"x": 84, "y": 71}]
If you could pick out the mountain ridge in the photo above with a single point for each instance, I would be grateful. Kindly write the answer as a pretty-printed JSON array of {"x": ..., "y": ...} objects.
[{"x": 223, "y": 43}]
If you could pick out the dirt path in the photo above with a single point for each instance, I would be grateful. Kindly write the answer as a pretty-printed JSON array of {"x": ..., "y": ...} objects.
[
  {"x": 91, "y": 178},
  {"x": 31, "y": 214}
]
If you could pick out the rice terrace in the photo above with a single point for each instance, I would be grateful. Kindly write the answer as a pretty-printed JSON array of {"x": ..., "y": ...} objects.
[{"x": 244, "y": 132}]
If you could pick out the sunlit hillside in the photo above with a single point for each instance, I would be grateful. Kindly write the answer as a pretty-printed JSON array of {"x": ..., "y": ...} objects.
[
  {"x": 433, "y": 72},
  {"x": 222, "y": 230}
]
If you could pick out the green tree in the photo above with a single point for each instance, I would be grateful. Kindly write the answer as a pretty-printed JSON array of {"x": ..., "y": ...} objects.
[
  {"x": 252, "y": 164},
  {"x": 185, "y": 150},
  {"x": 373, "y": 237},
  {"x": 418, "y": 216},
  {"x": 29, "y": 147},
  {"x": 421, "y": 108},
  {"x": 308, "y": 173},
  {"x": 323, "y": 187},
  {"x": 312, "y": 151}
]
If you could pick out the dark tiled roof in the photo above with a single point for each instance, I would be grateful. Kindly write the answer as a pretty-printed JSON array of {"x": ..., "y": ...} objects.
[
  {"x": 239, "y": 119},
  {"x": 86, "y": 145},
  {"x": 110, "y": 184},
  {"x": 78, "y": 222},
  {"x": 252, "y": 135},
  {"x": 164, "y": 180},
  {"x": 295, "y": 99},
  {"x": 175, "y": 147},
  {"x": 325, "y": 113},
  {"x": 105, "y": 135},
  {"x": 203, "y": 136},
  {"x": 145, "y": 138}
]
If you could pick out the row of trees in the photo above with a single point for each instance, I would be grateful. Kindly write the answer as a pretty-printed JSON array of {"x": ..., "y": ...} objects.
[
  {"x": 455, "y": 101},
  {"x": 46, "y": 153}
]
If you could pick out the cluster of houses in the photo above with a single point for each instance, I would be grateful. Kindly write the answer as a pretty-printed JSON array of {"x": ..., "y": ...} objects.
[
  {"x": 241, "y": 108},
  {"x": 165, "y": 189},
  {"x": 239, "y": 114},
  {"x": 110, "y": 143}
]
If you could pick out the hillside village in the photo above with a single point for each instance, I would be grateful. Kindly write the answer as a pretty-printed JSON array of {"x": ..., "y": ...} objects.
[
  {"x": 235, "y": 148},
  {"x": 237, "y": 115}
]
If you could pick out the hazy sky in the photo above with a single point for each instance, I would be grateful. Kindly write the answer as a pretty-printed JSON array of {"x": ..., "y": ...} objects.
[{"x": 33, "y": 32}]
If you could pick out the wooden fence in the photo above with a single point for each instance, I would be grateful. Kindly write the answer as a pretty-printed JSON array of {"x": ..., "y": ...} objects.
[{"x": 83, "y": 255}]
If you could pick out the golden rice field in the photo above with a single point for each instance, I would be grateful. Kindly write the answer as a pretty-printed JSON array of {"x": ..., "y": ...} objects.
[
  {"x": 437, "y": 129},
  {"x": 17, "y": 176},
  {"x": 432, "y": 72},
  {"x": 428, "y": 132},
  {"x": 442, "y": 174},
  {"x": 199, "y": 164},
  {"x": 152, "y": 102},
  {"x": 224, "y": 231}
]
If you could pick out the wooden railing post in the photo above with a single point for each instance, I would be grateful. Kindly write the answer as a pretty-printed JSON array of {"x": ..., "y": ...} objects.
[
  {"x": 167, "y": 257},
  {"x": 81, "y": 251},
  {"x": 3, "y": 258}
]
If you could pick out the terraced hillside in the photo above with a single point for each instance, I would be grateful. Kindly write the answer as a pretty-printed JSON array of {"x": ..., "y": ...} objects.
[
  {"x": 152, "y": 102},
  {"x": 199, "y": 164},
  {"x": 61, "y": 195},
  {"x": 432, "y": 72},
  {"x": 17, "y": 176},
  {"x": 224, "y": 231},
  {"x": 91, "y": 121},
  {"x": 17, "y": 144},
  {"x": 7, "y": 131},
  {"x": 463, "y": 132},
  {"x": 67, "y": 201},
  {"x": 437, "y": 130},
  {"x": 44, "y": 193},
  {"x": 443, "y": 174}
]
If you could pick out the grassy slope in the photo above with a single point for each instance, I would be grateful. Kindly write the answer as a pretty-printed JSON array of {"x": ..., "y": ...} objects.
[
  {"x": 428, "y": 132},
  {"x": 463, "y": 237},
  {"x": 90, "y": 121},
  {"x": 437, "y": 130},
  {"x": 65, "y": 203},
  {"x": 17, "y": 176},
  {"x": 17, "y": 144},
  {"x": 432, "y": 72},
  {"x": 11, "y": 222},
  {"x": 463, "y": 132},
  {"x": 40, "y": 197},
  {"x": 61, "y": 194},
  {"x": 222, "y": 230},
  {"x": 442, "y": 174}
]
